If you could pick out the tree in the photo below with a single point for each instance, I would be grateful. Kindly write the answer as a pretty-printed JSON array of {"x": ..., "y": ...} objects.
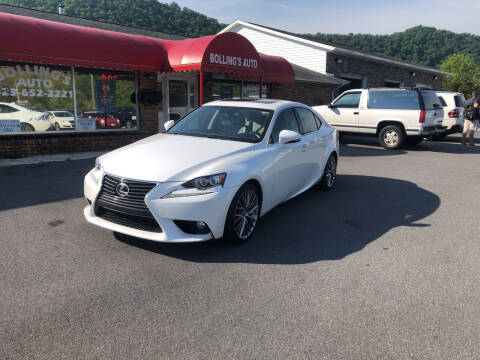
[{"x": 466, "y": 74}]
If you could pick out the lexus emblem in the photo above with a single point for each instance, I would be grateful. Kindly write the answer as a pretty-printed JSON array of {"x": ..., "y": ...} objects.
[{"x": 122, "y": 189}]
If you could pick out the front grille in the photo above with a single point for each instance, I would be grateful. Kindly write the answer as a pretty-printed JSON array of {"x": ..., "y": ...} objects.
[
  {"x": 132, "y": 221},
  {"x": 129, "y": 210}
]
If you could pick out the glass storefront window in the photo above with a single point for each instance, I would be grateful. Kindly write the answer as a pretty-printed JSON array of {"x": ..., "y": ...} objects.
[
  {"x": 30, "y": 95},
  {"x": 235, "y": 90},
  {"x": 105, "y": 100},
  {"x": 38, "y": 98},
  {"x": 251, "y": 91}
]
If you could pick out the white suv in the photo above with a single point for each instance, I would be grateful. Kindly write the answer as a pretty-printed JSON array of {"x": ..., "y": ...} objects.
[
  {"x": 452, "y": 103},
  {"x": 396, "y": 116}
]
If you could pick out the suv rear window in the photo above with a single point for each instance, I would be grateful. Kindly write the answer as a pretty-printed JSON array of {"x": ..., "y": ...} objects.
[
  {"x": 430, "y": 99},
  {"x": 393, "y": 99},
  {"x": 459, "y": 100},
  {"x": 442, "y": 101}
]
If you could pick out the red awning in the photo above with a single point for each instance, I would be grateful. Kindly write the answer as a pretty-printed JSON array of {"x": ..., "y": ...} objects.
[
  {"x": 34, "y": 40},
  {"x": 226, "y": 53},
  {"x": 277, "y": 69}
]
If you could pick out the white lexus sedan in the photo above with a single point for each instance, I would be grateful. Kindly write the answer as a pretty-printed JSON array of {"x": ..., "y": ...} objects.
[{"x": 214, "y": 173}]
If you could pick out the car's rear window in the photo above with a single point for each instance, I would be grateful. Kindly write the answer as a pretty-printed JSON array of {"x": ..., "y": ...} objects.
[
  {"x": 459, "y": 100},
  {"x": 393, "y": 99},
  {"x": 442, "y": 101},
  {"x": 430, "y": 98}
]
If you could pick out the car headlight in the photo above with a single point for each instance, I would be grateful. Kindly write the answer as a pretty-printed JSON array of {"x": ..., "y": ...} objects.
[
  {"x": 97, "y": 170},
  {"x": 199, "y": 186}
]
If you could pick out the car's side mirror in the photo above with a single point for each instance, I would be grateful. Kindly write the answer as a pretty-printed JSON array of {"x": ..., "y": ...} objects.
[
  {"x": 168, "y": 124},
  {"x": 288, "y": 137},
  {"x": 331, "y": 105}
]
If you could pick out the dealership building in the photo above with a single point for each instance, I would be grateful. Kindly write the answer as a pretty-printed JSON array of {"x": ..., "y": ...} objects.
[{"x": 69, "y": 84}]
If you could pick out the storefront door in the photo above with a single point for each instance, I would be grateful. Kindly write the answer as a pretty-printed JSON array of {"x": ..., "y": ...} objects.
[{"x": 180, "y": 96}]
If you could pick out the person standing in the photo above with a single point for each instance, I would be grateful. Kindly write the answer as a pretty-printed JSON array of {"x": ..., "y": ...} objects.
[{"x": 472, "y": 116}]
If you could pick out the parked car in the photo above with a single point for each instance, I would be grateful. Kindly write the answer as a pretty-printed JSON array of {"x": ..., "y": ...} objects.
[
  {"x": 453, "y": 119},
  {"x": 213, "y": 173},
  {"x": 29, "y": 120},
  {"x": 395, "y": 116},
  {"x": 127, "y": 116},
  {"x": 102, "y": 119},
  {"x": 61, "y": 119}
]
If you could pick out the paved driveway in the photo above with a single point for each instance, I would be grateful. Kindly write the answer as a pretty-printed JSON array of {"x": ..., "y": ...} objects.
[{"x": 384, "y": 267}]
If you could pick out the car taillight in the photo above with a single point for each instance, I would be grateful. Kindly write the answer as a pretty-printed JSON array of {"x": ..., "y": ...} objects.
[
  {"x": 422, "y": 117},
  {"x": 454, "y": 113}
]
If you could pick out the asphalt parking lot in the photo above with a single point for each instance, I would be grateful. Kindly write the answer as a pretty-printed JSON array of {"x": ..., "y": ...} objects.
[{"x": 383, "y": 267}]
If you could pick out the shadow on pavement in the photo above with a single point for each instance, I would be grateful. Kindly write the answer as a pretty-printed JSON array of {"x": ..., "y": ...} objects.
[
  {"x": 29, "y": 185},
  {"x": 449, "y": 145},
  {"x": 316, "y": 225}
]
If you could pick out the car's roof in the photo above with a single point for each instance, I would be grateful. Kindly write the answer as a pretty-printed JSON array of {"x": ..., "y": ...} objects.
[
  {"x": 268, "y": 104},
  {"x": 448, "y": 92}
]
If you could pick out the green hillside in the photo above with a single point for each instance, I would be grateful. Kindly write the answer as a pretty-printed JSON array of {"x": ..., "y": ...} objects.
[
  {"x": 419, "y": 44},
  {"x": 147, "y": 14}
]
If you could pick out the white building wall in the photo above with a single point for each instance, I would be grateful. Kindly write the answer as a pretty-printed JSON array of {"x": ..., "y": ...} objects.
[{"x": 296, "y": 53}]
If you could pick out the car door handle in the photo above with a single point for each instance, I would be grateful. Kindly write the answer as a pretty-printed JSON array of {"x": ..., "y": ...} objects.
[
  {"x": 355, "y": 113},
  {"x": 304, "y": 147}
]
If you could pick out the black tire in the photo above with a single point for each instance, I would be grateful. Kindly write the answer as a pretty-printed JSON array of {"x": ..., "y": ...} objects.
[
  {"x": 414, "y": 140},
  {"x": 242, "y": 216},
  {"x": 391, "y": 137},
  {"x": 329, "y": 174},
  {"x": 57, "y": 127},
  {"x": 26, "y": 127}
]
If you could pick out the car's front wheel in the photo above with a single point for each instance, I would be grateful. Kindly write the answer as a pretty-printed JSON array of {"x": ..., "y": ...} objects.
[
  {"x": 243, "y": 214},
  {"x": 329, "y": 174}
]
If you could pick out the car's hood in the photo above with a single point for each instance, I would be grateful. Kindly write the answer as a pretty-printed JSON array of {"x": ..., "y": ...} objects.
[
  {"x": 320, "y": 108},
  {"x": 167, "y": 157}
]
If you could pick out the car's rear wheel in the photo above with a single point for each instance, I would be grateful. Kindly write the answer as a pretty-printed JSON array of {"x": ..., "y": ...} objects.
[
  {"x": 329, "y": 174},
  {"x": 57, "y": 127},
  {"x": 26, "y": 127},
  {"x": 243, "y": 214},
  {"x": 391, "y": 137}
]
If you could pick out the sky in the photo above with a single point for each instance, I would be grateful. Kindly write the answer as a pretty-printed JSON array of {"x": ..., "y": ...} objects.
[{"x": 345, "y": 16}]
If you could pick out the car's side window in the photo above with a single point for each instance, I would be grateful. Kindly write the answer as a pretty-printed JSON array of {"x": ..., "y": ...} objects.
[
  {"x": 350, "y": 100},
  {"x": 319, "y": 122},
  {"x": 285, "y": 121},
  {"x": 5, "y": 109},
  {"x": 307, "y": 120}
]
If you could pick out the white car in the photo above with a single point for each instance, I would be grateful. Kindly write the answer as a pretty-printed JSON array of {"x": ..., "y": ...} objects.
[
  {"x": 61, "y": 119},
  {"x": 453, "y": 119},
  {"x": 30, "y": 120},
  {"x": 213, "y": 173}
]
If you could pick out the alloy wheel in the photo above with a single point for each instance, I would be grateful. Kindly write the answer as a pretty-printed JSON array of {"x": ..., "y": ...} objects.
[
  {"x": 246, "y": 214},
  {"x": 390, "y": 137},
  {"x": 331, "y": 171}
]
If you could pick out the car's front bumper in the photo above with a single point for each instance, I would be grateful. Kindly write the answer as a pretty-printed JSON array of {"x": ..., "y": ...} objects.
[{"x": 210, "y": 208}]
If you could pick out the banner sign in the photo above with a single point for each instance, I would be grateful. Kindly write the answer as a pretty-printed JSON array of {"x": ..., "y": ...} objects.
[
  {"x": 235, "y": 61},
  {"x": 85, "y": 124},
  {"x": 105, "y": 95},
  {"x": 9, "y": 126}
]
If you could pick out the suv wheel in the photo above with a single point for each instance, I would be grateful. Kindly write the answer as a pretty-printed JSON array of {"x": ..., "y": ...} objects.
[{"x": 391, "y": 137}]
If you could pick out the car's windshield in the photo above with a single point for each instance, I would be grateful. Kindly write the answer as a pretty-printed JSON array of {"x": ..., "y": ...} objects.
[
  {"x": 225, "y": 122},
  {"x": 63, "y": 114}
]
